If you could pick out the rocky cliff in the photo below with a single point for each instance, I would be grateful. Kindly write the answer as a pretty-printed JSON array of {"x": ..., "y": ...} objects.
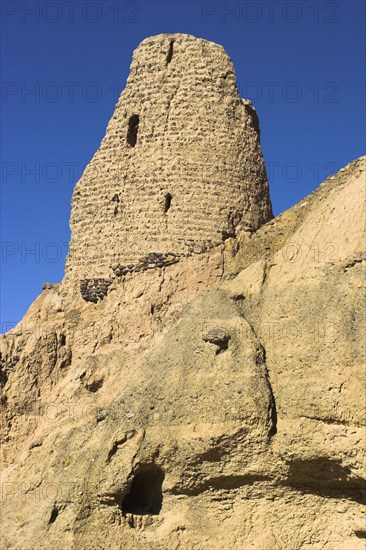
[{"x": 212, "y": 402}]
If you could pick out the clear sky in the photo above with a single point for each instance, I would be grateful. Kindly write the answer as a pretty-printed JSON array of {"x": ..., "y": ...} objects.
[{"x": 64, "y": 63}]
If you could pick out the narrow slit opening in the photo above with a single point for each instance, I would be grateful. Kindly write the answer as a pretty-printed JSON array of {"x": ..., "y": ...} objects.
[
  {"x": 170, "y": 52},
  {"x": 53, "y": 516},
  {"x": 133, "y": 125},
  {"x": 168, "y": 202}
]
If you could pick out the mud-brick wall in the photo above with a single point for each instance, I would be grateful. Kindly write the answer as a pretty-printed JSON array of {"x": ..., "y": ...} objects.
[{"x": 180, "y": 163}]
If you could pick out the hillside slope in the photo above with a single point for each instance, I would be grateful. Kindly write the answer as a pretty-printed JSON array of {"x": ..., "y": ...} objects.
[{"x": 216, "y": 403}]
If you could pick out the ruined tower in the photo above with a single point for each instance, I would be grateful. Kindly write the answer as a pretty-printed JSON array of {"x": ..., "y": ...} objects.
[{"x": 180, "y": 165}]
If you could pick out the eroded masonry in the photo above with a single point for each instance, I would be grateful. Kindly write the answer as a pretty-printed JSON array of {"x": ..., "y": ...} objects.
[{"x": 179, "y": 170}]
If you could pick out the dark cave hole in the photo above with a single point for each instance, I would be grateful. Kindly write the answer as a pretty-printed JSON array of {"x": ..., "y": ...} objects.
[
  {"x": 145, "y": 496},
  {"x": 95, "y": 385},
  {"x": 133, "y": 125},
  {"x": 227, "y": 234},
  {"x": 168, "y": 202},
  {"x": 170, "y": 52},
  {"x": 222, "y": 344},
  {"x": 53, "y": 516}
]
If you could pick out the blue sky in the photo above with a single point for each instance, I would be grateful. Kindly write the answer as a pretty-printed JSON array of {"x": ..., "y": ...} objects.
[{"x": 63, "y": 65}]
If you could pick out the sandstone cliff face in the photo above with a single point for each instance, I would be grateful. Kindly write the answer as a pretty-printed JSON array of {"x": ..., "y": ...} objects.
[
  {"x": 215, "y": 402},
  {"x": 180, "y": 165},
  {"x": 233, "y": 422}
]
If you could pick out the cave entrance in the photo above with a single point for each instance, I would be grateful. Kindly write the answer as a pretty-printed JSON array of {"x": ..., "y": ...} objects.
[
  {"x": 133, "y": 125},
  {"x": 145, "y": 496}
]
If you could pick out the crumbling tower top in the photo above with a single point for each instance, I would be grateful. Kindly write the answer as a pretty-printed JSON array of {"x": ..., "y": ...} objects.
[{"x": 180, "y": 164}]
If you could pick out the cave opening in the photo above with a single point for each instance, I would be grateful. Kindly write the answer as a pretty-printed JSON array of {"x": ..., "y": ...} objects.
[{"x": 145, "y": 496}]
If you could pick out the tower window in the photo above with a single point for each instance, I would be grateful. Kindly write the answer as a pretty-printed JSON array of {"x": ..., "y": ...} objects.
[
  {"x": 145, "y": 496},
  {"x": 170, "y": 52},
  {"x": 133, "y": 125},
  {"x": 168, "y": 202}
]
